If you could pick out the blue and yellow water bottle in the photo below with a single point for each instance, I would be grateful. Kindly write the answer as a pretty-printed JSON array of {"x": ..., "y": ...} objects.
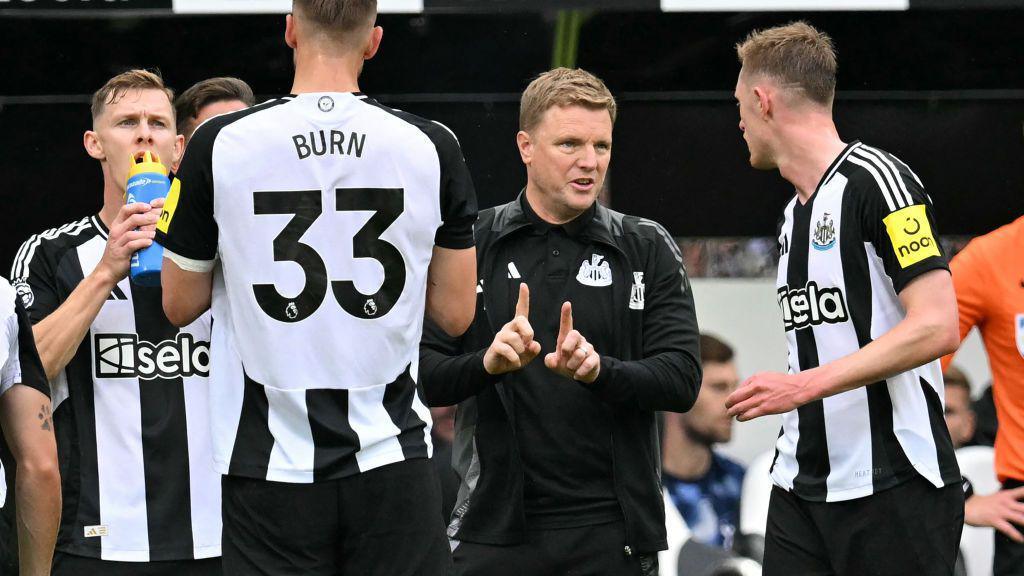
[{"x": 147, "y": 181}]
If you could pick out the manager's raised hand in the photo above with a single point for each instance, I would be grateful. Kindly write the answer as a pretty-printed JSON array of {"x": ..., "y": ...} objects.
[
  {"x": 513, "y": 346},
  {"x": 573, "y": 357}
]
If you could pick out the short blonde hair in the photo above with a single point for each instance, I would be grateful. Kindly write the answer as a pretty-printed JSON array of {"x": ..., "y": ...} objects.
[
  {"x": 338, "y": 17},
  {"x": 563, "y": 87},
  {"x": 116, "y": 87},
  {"x": 797, "y": 55}
]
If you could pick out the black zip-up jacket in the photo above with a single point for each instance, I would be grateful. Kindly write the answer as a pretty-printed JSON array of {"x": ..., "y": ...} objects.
[{"x": 654, "y": 366}]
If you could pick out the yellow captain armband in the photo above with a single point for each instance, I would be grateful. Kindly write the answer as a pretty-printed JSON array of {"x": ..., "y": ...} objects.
[
  {"x": 911, "y": 235},
  {"x": 169, "y": 206}
]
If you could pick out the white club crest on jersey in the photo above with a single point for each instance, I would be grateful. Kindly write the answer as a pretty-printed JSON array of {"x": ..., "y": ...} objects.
[
  {"x": 636, "y": 293},
  {"x": 595, "y": 273},
  {"x": 824, "y": 233},
  {"x": 325, "y": 103}
]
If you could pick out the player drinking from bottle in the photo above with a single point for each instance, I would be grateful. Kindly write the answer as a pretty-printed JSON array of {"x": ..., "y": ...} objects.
[{"x": 129, "y": 389}]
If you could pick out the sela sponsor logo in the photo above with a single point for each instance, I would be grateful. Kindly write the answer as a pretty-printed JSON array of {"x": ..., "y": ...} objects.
[
  {"x": 811, "y": 306},
  {"x": 636, "y": 293},
  {"x": 125, "y": 356},
  {"x": 595, "y": 272},
  {"x": 824, "y": 233},
  {"x": 911, "y": 235}
]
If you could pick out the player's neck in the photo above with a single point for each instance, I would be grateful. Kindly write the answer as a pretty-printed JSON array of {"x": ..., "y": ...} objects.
[
  {"x": 809, "y": 149},
  {"x": 319, "y": 72},
  {"x": 113, "y": 200},
  {"x": 684, "y": 457}
]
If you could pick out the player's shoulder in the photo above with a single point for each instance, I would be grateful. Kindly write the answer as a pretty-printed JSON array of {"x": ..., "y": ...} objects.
[
  {"x": 59, "y": 239},
  {"x": 440, "y": 135},
  {"x": 207, "y": 132},
  {"x": 872, "y": 172},
  {"x": 995, "y": 244}
]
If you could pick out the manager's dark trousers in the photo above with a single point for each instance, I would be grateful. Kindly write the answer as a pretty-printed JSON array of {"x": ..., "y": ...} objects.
[{"x": 598, "y": 550}]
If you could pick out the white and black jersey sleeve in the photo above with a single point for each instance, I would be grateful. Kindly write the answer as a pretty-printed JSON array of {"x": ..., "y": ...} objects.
[
  {"x": 187, "y": 226},
  {"x": 458, "y": 198},
  {"x": 896, "y": 216}
]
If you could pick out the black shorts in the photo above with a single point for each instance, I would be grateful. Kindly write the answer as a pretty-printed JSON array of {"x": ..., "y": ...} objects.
[
  {"x": 587, "y": 551},
  {"x": 912, "y": 529},
  {"x": 1009, "y": 555},
  {"x": 74, "y": 565},
  {"x": 382, "y": 522}
]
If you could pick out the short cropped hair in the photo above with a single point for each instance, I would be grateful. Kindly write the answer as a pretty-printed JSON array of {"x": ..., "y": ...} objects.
[
  {"x": 206, "y": 92},
  {"x": 714, "y": 351},
  {"x": 956, "y": 378},
  {"x": 119, "y": 85},
  {"x": 796, "y": 55},
  {"x": 338, "y": 15},
  {"x": 563, "y": 87}
]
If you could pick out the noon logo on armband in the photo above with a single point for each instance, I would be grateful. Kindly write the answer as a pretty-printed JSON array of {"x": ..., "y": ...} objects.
[
  {"x": 911, "y": 235},
  {"x": 170, "y": 205},
  {"x": 126, "y": 356},
  {"x": 811, "y": 306}
]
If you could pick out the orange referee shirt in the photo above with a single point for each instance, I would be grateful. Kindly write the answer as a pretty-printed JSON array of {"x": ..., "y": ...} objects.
[{"x": 989, "y": 279}]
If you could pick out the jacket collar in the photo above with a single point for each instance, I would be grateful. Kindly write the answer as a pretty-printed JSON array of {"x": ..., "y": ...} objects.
[{"x": 596, "y": 223}]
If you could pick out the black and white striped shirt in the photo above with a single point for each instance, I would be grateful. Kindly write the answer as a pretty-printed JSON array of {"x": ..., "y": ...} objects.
[
  {"x": 321, "y": 212},
  {"x": 846, "y": 254},
  {"x": 130, "y": 412}
]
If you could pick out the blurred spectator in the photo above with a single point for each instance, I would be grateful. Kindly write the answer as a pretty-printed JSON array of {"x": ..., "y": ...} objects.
[
  {"x": 442, "y": 434},
  {"x": 959, "y": 412},
  {"x": 704, "y": 485}
]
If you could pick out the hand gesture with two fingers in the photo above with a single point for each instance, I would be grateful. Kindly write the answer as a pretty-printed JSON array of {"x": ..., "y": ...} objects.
[
  {"x": 573, "y": 357},
  {"x": 513, "y": 346}
]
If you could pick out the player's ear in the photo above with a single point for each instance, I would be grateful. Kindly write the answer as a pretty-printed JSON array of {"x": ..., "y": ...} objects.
[
  {"x": 525, "y": 145},
  {"x": 93, "y": 146},
  {"x": 179, "y": 149},
  {"x": 289, "y": 31},
  {"x": 373, "y": 44},
  {"x": 764, "y": 101}
]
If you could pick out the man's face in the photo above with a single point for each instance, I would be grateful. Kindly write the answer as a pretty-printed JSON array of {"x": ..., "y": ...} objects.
[
  {"x": 959, "y": 415},
  {"x": 215, "y": 109},
  {"x": 140, "y": 120},
  {"x": 753, "y": 126},
  {"x": 567, "y": 156},
  {"x": 707, "y": 421}
]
